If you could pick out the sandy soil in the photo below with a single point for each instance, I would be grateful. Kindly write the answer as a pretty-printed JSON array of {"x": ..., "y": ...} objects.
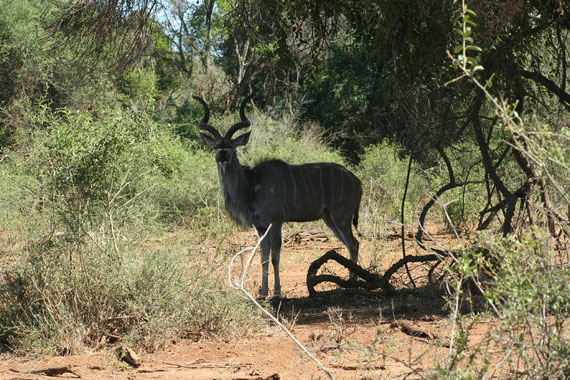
[{"x": 355, "y": 336}]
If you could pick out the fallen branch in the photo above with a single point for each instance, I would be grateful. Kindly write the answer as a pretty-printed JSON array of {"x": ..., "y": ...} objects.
[
  {"x": 371, "y": 280},
  {"x": 51, "y": 372},
  {"x": 413, "y": 330}
]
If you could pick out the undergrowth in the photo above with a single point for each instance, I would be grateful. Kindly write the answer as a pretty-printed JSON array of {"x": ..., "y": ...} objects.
[
  {"x": 113, "y": 230},
  {"x": 91, "y": 212}
]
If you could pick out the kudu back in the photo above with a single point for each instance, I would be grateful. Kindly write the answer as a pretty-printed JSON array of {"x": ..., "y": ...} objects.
[{"x": 274, "y": 192}]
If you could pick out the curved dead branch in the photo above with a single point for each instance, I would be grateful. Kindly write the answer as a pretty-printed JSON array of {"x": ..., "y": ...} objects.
[
  {"x": 120, "y": 28},
  {"x": 371, "y": 280}
]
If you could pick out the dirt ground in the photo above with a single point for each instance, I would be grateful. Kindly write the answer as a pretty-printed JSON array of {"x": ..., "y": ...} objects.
[{"x": 355, "y": 336}]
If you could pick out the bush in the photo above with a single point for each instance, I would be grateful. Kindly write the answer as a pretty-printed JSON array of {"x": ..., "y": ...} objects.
[
  {"x": 532, "y": 290},
  {"x": 527, "y": 282},
  {"x": 272, "y": 139},
  {"x": 383, "y": 171},
  {"x": 51, "y": 302},
  {"x": 121, "y": 161},
  {"x": 86, "y": 197}
]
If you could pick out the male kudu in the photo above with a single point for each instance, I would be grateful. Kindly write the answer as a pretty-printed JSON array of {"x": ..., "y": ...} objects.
[{"x": 274, "y": 192}]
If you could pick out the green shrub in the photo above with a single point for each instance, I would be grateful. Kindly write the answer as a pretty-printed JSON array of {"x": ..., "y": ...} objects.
[
  {"x": 532, "y": 291},
  {"x": 383, "y": 171},
  {"x": 84, "y": 200},
  {"x": 527, "y": 282},
  {"x": 271, "y": 139},
  {"x": 122, "y": 162}
]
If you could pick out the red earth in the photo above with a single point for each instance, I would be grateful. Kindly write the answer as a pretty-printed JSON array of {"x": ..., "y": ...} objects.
[{"x": 363, "y": 335}]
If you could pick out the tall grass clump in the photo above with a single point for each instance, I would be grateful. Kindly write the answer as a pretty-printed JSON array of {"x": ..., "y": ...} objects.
[
  {"x": 91, "y": 264},
  {"x": 275, "y": 139},
  {"x": 55, "y": 304}
]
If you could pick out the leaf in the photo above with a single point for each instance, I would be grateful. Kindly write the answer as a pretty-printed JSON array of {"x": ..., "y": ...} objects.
[
  {"x": 467, "y": 10},
  {"x": 472, "y": 61},
  {"x": 474, "y": 48}
]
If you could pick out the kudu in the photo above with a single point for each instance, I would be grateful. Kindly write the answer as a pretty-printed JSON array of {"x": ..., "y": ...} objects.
[{"x": 274, "y": 192}]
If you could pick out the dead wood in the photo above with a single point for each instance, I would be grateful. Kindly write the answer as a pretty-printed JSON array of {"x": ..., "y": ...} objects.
[
  {"x": 413, "y": 330},
  {"x": 371, "y": 280},
  {"x": 52, "y": 371},
  {"x": 129, "y": 356}
]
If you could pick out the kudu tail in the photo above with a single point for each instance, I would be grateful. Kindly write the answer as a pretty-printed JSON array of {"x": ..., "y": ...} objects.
[{"x": 355, "y": 217}]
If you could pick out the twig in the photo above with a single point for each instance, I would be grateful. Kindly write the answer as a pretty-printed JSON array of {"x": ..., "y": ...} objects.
[
  {"x": 239, "y": 285},
  {"x": 402, "y": 220},
  {"x": 455, "y": 312}
]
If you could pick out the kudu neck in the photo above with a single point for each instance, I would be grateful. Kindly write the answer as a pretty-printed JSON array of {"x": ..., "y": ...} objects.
[{"x": 236, "y": 189}]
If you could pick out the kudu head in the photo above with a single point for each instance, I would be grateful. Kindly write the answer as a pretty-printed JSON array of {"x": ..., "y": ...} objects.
[{"x": 224, "y": 146}]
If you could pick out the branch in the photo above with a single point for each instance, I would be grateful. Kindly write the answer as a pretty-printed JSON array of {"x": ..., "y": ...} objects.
[
  {"x": 239, "y": 284},
  {"x": 373, "y": 281},
  {"x": 550, "y": 85},
  {"x": 439, "y": 193},
  {"x": 402, "y": 220}
]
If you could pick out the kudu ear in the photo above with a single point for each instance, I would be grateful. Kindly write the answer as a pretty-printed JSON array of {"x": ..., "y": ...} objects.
[
  {"x": 207, "y": 140},
  {"x": 241, "y": 140}
]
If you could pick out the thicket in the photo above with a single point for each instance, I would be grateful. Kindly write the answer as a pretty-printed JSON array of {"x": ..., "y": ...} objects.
[{"x": 86, "y": 203}]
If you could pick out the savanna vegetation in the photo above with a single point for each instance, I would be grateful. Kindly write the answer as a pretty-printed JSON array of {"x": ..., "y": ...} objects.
[{"x": 453, "y": 114}]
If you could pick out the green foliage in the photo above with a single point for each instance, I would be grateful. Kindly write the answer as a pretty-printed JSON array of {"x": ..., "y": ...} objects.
[
  {"x": 24, "y": 53},
  {"x": 94, "y": 166},
  {"x": 341, "y": 92},
  {"x": 122, "y": 163},
  {"x": 271, "y": 139},
  {"x": 525, "y": 276},
  {"x": 529, "y": 290},
  {"x": 383, "y": 171},
  {"x": 210, "y": 83},
  {"x": 139, "y": 86},
  {"x": 79, "y": 209}
]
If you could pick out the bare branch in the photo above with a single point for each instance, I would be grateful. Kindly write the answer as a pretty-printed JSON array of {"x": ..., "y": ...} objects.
[
  {"x": 239, "y": 285},
  {"x": 550, "y": 85}
]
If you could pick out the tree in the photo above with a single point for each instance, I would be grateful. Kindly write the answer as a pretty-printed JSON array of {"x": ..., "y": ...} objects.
[{"x": 522, "y": 46}]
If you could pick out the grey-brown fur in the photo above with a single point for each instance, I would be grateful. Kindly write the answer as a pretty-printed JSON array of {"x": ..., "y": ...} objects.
[{"x": 274, "y": 192}]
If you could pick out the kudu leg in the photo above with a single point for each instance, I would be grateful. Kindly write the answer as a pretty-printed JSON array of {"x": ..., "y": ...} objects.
[
  {"x": 275, "y": 235},
  {"x": 342, "y": 229},
  {"x": 265, "y": 248}
]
